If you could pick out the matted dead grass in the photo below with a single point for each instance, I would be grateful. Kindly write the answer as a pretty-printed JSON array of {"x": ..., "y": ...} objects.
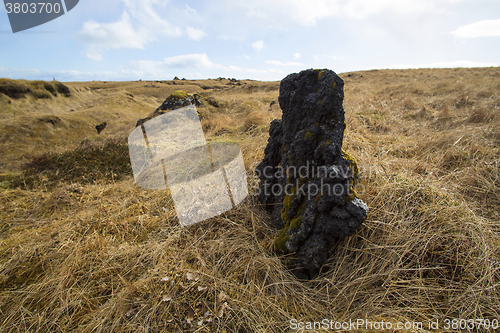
[{"x": 102, "y": 255}]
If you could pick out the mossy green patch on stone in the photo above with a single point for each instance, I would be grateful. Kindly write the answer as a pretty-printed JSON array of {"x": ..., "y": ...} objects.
[
  {"x": 327, "y": 143},
  {"x": 308, "y": 134},
  {"x": 286, "y": 205},
  {"x": 334, "y": 85},
  {"x": 280, "y": 242},
  {"x": 355, "y": 172},
  {"x": 290, "y": 224},
  {"x": 353, "y": 163},
  {"x": 179, "y": 94},
  {"x": 295, "y": 223}
]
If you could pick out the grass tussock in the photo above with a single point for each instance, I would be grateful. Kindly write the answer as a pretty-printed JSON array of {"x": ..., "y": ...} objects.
[
  {"x": 89, "y": 163},
  {"x": 38, "y": 89},
  {"x": 83, "y": 249},
  {"x": 92, "y": 162}
]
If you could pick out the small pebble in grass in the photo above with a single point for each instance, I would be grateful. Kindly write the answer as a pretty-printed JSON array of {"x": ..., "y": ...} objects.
[
  {"x": 101, "y": 127},
  {"x": 191, "y": 276}
]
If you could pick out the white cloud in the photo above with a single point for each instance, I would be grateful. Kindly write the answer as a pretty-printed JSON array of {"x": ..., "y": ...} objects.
[
  {"x": 145, "y": 69},
  {"x": 60, "y": 75},
  {"x": 139, "y": 25},
  {"x": 296, "y": 56},
  {"x": 198, "y": 60},
  {"x": 280, "y": 63},
  {"x": 487, "y": 28},
  {"x": 307, "y": 13},
  {"x": 236, "y": 38},
  {"x": 304, "y": 12},
  {"x": 360, "y": 9},
  {"x": 148, "y": 20},
  {"x": 187, "y": 61},
  {"x": 101, "y": 36},
  {"x": 258, "y": 45},
  {"x": 94, "y": 55},
  {"x": 447, "y": 64},
  {"x": 154, "y": 69},
  {"x": 327, "y": 57},
  {"x": 192, "y": 13},
  {"x": 264, "y": 71},
  {"x": 195, "y": 34}
]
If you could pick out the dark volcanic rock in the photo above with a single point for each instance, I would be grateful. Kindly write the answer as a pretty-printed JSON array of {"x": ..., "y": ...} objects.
[
  {"x": 177, "y": 100},
  {"x": 101, "y": 127},
  {"x": 307, "y": 180}
]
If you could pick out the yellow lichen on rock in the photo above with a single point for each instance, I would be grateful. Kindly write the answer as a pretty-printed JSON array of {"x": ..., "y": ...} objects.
[
  {"x": 353, "y": 165},
  {"x": 286, "y": 205},
  {"x": 280, "y": 243},
  {"x": 320, "y": 75},
  {"x": 296, "y": 222},
  {"x": 290, "y": 224},
  {"x": 179, "y": 94}
]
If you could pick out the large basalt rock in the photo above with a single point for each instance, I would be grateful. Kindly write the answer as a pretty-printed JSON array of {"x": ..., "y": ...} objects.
[
  {"x": 307, "y": 180},
  {"x": 175, "y": 101}
]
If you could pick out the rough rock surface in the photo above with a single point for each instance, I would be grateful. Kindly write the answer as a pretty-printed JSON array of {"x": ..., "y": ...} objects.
[
  {"x": 307, "y": 180},
  {"x": 177, "y": 100},
  {"x": 101, "y": 127}
]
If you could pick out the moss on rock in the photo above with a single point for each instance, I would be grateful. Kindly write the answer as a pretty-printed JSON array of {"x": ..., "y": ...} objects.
[
  {"x": 353, "y": 165},
  {"x": 320, "y": 75},
  {"x": 178, "y": 94}
]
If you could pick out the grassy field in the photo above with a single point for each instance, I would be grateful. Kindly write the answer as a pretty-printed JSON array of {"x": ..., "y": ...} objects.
[{"x": 83, "y": 249}]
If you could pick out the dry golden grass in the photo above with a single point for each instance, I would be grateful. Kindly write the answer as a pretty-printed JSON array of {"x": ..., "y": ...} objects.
[{"x": 101, "y": 255}]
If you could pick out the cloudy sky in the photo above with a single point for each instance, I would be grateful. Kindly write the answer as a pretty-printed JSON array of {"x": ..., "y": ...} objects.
[{"x": 255, "y": 39}]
